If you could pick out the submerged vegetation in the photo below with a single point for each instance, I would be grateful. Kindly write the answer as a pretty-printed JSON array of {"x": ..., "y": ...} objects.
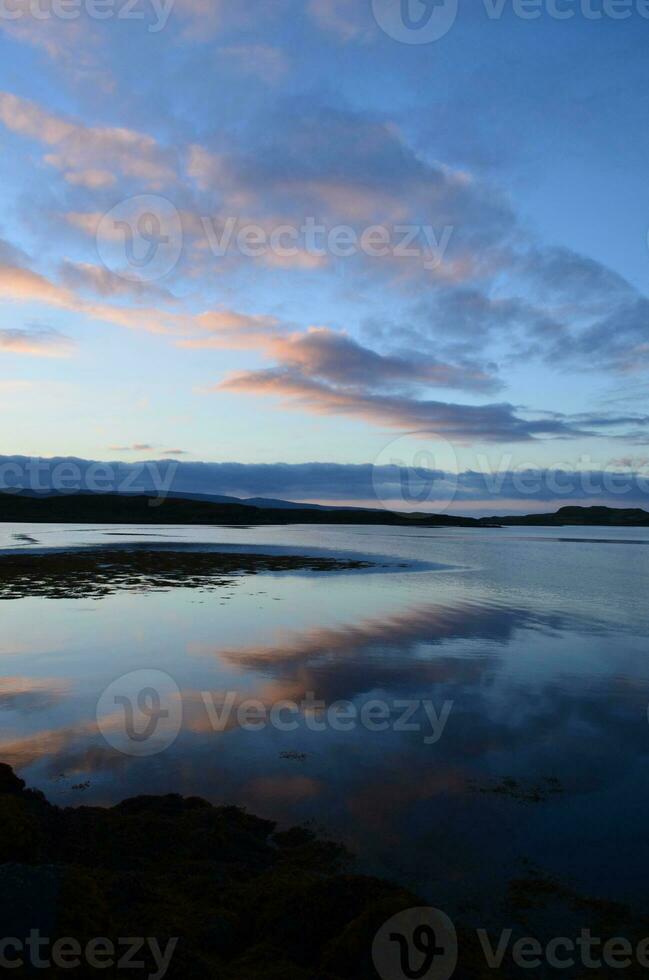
[{"x": 97, "y": 572}]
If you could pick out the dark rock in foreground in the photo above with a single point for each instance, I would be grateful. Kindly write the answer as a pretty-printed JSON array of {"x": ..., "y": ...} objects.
[
  {"x": 228, "y": 897},
  {"x": 243, "y": 901}
]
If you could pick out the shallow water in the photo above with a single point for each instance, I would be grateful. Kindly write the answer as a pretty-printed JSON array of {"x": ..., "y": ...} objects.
[{"x": 534, "y": 639}]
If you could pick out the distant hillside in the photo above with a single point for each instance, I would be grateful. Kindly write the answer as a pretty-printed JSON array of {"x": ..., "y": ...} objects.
[
  {"x": 126, "y": 509},
  {"x": 143, "y": 509},
  {"x": 264, "y": 503},
  {"x": 574, "y": 516}
]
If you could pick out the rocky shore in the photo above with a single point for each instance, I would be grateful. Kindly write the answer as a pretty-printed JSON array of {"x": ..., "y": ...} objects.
[{"x": 242, "y": 900}]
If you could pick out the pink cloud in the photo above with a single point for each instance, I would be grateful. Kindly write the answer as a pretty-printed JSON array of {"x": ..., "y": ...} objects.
[
  {"x": 22, "y": 285},
  {"x": 88, "y": 155},
  {"x": 35, "y": 343},
  {"x": 462, "y": 423}
]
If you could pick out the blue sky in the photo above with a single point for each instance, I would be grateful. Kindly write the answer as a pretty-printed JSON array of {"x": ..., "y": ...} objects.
[{"x": 477, "y": 284}]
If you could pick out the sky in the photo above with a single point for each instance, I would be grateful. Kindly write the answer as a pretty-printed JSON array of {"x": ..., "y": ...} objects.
[{"x": 351, "y": 233}]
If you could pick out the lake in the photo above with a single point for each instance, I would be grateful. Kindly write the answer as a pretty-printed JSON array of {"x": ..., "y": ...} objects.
[{"x": 491, "y": 690}]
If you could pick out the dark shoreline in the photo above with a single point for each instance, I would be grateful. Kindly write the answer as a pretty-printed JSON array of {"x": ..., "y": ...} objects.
[{"x": 87, "y": 508}]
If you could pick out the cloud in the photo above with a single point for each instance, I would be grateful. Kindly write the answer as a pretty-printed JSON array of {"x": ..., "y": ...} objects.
[
  {"x": 498, "y": 489},
  {"x": 493, "y": 284},
  {"x": 347, "y": 20},
  {"x": 202, "y": 19},
  {"x": 89, "y": 156},
  {"x": 496, "y": 295},
  {"x": 320, "y": 352},
  {"x": 575, "y": 278},
  {"x": 145, "y": 447},
  {"x": 262, "y": 61},
  {"x": 40, "y": 26},
  {"x": 91, "y": 179},
  {"x": 23, "y": 751},
  {"x": 296, "y": 657},
  {"x": 291, "y": 171},
  {"x": 28, "y": 694},
  {"x": 12, "y": 255},
  {"x": 336, "y": 357},
  {"x": 102, "y": 281},
  {"x": 327, "y": 372},
  {"x": 464, "y": 423},
  {"x": 138, "y": 447},
  {"x": 74, "y": 42},
  {"x": 227, "y": 328},
  {"x": 25, "y": 286},
  {"x": 600, "y": 321},
  {"x": 37, "y": 342},
  {"x": 8, "y": 386},
  {"x": 617, "y": 340},
  {"x": 465, "y": 316},
  {"x": 578, "y": 315}
]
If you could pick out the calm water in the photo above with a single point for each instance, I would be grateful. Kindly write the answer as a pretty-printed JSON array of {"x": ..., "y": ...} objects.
[{"x": 537, "y": 638}]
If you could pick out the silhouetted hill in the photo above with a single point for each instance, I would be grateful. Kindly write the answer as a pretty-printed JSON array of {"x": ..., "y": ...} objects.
[
  {"x": 146, "y": 509},
  {"x": 125, "y": 509},
  {"x": 574, "y": 516}
]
